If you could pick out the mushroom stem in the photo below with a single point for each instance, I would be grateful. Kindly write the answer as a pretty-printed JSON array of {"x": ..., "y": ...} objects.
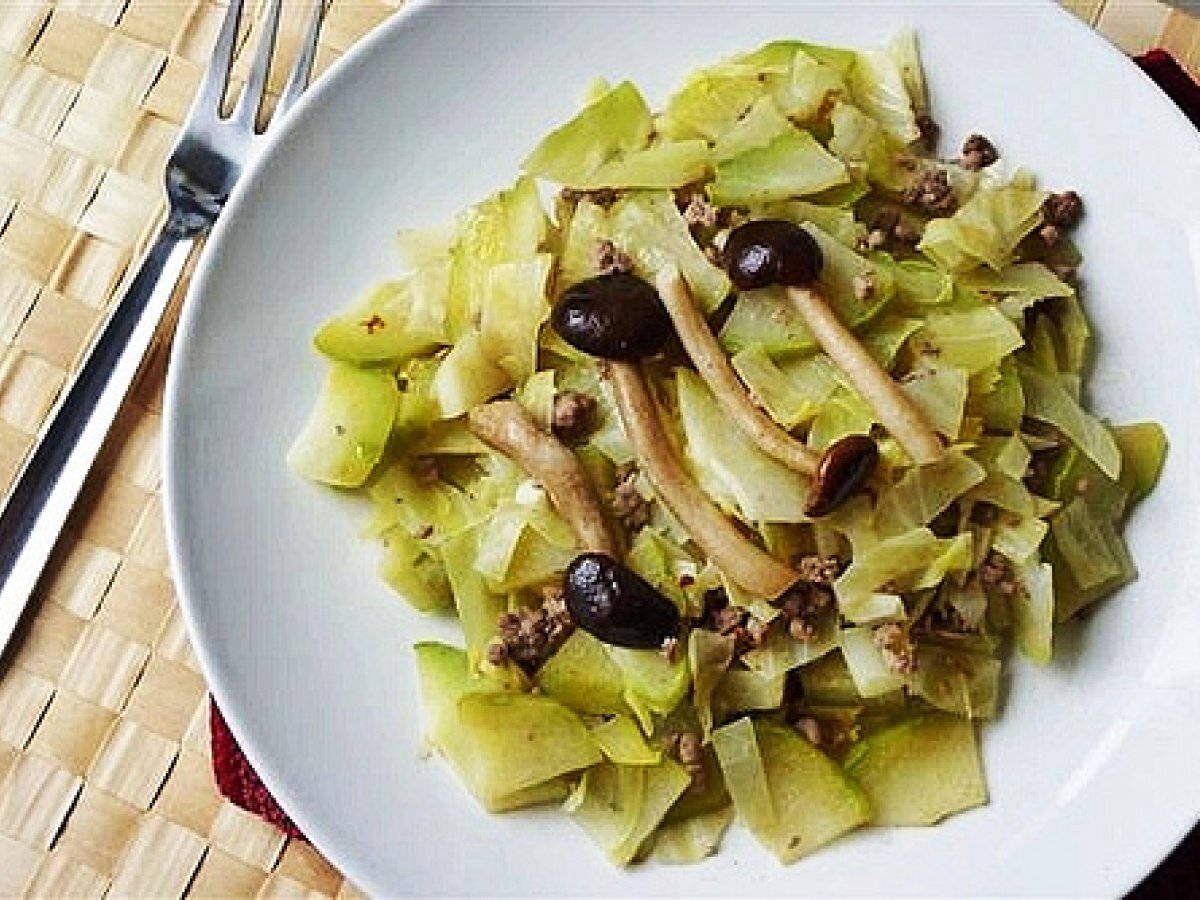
[
  {"x": 898, "y": 414},
  {"x": 505, "y": 426},
  {"x": 713, "y": 365},
  {"x": 742, "y": 561}
]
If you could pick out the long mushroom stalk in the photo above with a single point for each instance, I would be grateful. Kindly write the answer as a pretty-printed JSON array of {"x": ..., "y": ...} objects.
[
  {"x": 505, "y": 426},
  {"x": 713, "y": 366},
  {"x": 742, "y": 561},
  {"x": 895, "y": 411}
]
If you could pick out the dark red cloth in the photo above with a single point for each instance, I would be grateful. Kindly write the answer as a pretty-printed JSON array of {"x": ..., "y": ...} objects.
[
  {"x": 1178, "y": 877},
  {"x": 239, "y": 783}
]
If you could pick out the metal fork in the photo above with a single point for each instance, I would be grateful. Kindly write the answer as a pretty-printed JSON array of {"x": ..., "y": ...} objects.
[{"x": 207, "y": 161}]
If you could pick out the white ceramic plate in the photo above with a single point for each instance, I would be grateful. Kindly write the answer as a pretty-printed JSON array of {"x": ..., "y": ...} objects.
[{"x": 1092, "y": 764}]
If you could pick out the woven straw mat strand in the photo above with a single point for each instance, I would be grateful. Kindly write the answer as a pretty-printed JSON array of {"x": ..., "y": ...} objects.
[{"x": 105, "y": 786}]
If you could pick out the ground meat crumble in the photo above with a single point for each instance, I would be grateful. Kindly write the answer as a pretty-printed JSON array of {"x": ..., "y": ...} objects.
[
  {"x": 930, "y": 131},
  {"x": 572, "y": 414},
  {"x": 690, "y": 751},
  {"x": 898, "y": 652},
  {"x": 977, "y": 153},
  {"x": 1060, "y": 213},
  {"x": 931, "y": 192},
  {"x": 608, "y": 258},
  {"x": 699, "y": 213},
  {"x": 996, "y": 574},
  {"x": 629, "y": 507},
  {"x": 528, "y": 637}
]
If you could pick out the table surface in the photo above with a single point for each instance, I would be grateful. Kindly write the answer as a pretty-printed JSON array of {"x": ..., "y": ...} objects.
[{"x": 105, "y": 784}]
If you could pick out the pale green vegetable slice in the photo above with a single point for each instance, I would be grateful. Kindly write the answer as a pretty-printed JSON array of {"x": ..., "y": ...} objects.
[
  {"x": 1033, "y": 612},
  {"x": 478, "y": 607},
  {"x": 919, "y": 771},
  {"x": 622, "y": 742},
  {"x": 780, "y": 653},
  {"x": 940, "y": 393},
  {"x": 709, "y": 105},
  {"x": 972, "y": 339},
  {"x": 709, "y": 655},
  {"x": 581, "y": 675},
  {"x": 616, "y": 122},
  {"x": 761, "y": 125},
  {"x": 467, "y": 376},
  {"x": 793, "y": 798},
  {"x": 1016, "y": 287},
  {"x": 415, "y": 573},
  {"x": 985, "y": 230},
  {"x": 877, "y": 84},
  {"x": 692, "y": 839},
  {"x": 911, "y": 561},
  {"x": 791, "y": 392},
  {"x": 743, "y": 690},
  {"x": 870, "y": 671},
  {"x": 513, "y": 313},
  {"x": 393, "y": 322},
  {"x": 508, "y": 748},
  {"x": 735, "y": 473},
  {"x": 1047, "y": 400},
  {"x": 964, "y": 683},
  {"x": 924, "y": 491},
  {"x": 664, "y": 165},
  {"x": 793, "y": 165},
  {"x": 607, "y": 803},
  {"x": 651, "y": 679},
  {"x": 346, "y": 434},
  {"x": 1143, "y": 453}
]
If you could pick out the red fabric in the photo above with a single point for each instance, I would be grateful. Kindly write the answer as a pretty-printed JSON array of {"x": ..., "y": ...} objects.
[
  {"x": 238, "y": 782},
  {"x": 241, "y": 785},
  {"x": 1174, "y": 80}
]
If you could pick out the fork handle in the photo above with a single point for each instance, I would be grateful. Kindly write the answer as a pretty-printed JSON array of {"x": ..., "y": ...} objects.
[{"x": 49, "y": 482}]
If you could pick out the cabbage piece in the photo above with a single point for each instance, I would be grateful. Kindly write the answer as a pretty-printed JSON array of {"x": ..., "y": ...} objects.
[
  {"x": 620, "y": 806},
  {"x": 809, "y": 88},
  {"x": 791, "y": 796},
  {"x": 1033, "y": 611},
  {"x": 478, "y": 607},
  {"x": 649, "y": 227},
  {"x": 652, "y": 683},
  {"x": 348, "y": 429},
  {"x": 940, "y": 392},
  {"x": 971, "y": 339},
  {"x": 709, "y": 655},
  {"x": 828, "y": 682},
  {"x": 514, "y": 309},
  {"x": 986, "y": 229},
  {"x": 467, "y": 376},
  {"x": 906, "y": 54},
  {"x": 509, "y": 226},
  {"x": 877, "y": 84},
  {"x": 871, "y": 674},
  {"x": 709, "y": 105},
  {"x": 791, "y": 393},
  {"x": 661, "y": 165},
  {"x": 1088, "y": 542},
  {"x": 1003, "y": 407},
  {"x": 581, "y": 675},
  {"x": 780, "y": 652},
  {"x": 692, "y": 839},
  {"x": 394, "y": 321},
  {"x": 536, "y": 393},
  {"x": 616, "y": 122},
  {"x": 743, "y": 690},
  {"x": 621, "y": 741},
  {"x": 859, "y": 139},
  {"x": 419, "y": 248},
  {"x": 924, "y": 491},
  {"x": 1143, "y": 454},
  {"x": 1047, "y": 400},
  {"x": 920, "y": 285},
  {"x": 887, "y": 337},
  {"x": 793, "y": 165},
  {"x": 414, "y": 572},
  {"x": 762, "y": 489},
  {"x": 1005, "y": 455},
  {"x": 439, "y": 508},
  {"x": 919, "y": 771},
  {"x": 911, "y": 561},
  {"x": 835, "y": 221},
  {"x": 964, "y": 683},
  {"x": 1016, "y": 287},
  {"x": 761, "y": 125},
  {"x": 842, "y": 414}
]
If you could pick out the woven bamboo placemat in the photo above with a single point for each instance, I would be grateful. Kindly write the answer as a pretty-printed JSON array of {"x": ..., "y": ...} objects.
[{"x": 105, "y": 785}]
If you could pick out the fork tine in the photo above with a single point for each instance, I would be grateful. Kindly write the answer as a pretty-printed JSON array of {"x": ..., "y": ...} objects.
[
  {"x": 247, "y": 107},
  {"x": 212, "y": 88},
  {"x": 302, "y": 68}
]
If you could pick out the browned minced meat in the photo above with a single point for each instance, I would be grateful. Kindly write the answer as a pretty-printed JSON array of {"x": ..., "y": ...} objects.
[
  {"x": 607, "y": 258},
  {"x": 1063, "y": 210},
  {"x": 691, "y": 755},
  {"x": 822, "y": 570},
  {"x": 931, "y": 192},
  {"x": 572, "y": 414},
  {"x": 529, "y": 637},
  {"x": 700, "y": 213},
  {"x": 810, "y": 595},
  {"x": 724, "y": 618},
  {"x": 863, "y": 285},
  {"x": 898, "y": 651},
  {"x": 605, "y": 197},
  {"x": 629, "y": 507},
  {"x": 977, "y": 153},
  {"x": 888, "y": 227},
  {"x": 930, "y": 131},
  {"x": 996, "y": 574}
]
